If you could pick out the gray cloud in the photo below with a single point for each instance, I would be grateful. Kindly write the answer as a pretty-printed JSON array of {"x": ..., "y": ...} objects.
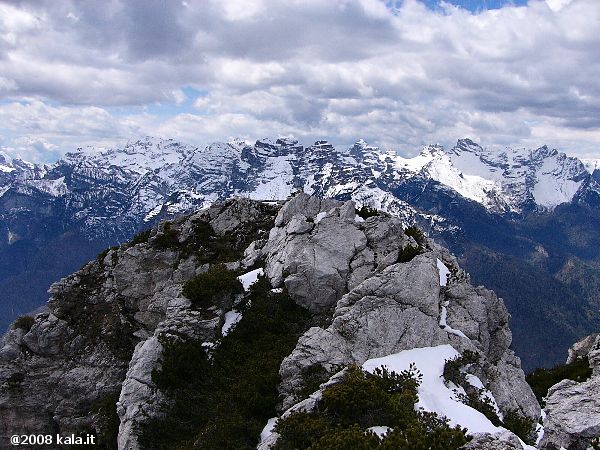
[{"x": 341, "y": 69}]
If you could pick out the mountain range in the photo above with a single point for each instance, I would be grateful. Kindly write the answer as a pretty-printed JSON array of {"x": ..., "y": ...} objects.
[{"x": 525, "y": 223}]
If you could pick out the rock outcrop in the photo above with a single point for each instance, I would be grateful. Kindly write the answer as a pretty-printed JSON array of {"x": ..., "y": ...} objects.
[
  {"x": 98, "y": 343},
  {"x": 572, "y": 409},
  {"x": 383, "y": 306},
  {"x": 102, "y": 336}
]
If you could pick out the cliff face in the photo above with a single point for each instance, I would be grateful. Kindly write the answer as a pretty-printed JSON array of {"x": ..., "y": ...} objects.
[
  {"x": 572, "y": 411},
  {"x": 370, "y": 290}
]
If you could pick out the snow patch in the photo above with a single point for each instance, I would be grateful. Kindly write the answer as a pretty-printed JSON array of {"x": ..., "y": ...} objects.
[
  {"x": 153, "y": 213},
  {"x": 267, "y": 431},
  {"x": 444, "y": 325},
  {"x": 444, "y": 272},
  {"x": 231, "y": 319},
  {"x": 248, "y": 279},
  {"x": 320, "y": 217},
  {"x": 434, "y": 395}
]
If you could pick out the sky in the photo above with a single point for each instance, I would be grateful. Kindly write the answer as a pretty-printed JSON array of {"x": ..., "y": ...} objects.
[{"x": 398, "y": 73}]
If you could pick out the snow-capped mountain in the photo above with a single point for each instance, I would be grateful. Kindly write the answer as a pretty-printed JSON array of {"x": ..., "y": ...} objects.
[
  {"x": 116, "y": 190},
  {"x": 55, "y": 217}
]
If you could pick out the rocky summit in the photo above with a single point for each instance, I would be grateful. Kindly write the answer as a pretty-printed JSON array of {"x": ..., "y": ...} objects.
[{"x": 221, "y": 328}]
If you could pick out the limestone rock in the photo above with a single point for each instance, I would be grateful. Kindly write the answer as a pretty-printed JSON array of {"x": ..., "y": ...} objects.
[
  {"x": 487, "y": 441},
  {"x": 573, "y": 409}
]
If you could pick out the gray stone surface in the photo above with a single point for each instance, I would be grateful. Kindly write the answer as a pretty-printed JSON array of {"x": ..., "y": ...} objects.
[
  {"x": 102, "y": 333},
  {"x": 501, "y": 441},
  {"x": 573, "y": 409}
]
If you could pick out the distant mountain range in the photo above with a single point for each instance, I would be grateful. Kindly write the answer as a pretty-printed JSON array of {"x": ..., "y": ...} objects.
[{"x": 525, "y": 223}]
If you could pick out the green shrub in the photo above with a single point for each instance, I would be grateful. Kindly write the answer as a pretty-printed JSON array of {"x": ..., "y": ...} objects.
[
  {"x": 167, "y": 239},
  {"x": 313, "y": 377},
  {"x": 477, "y": 399},
  {"x": 301, "y": 430},
  {"x": 541, "y": 379},
  {"x": 140, "y": 238},
  {"x": 224, "y": 401},
  {"x": 352, "y": 437},
  {"x": 416, "y": 233},
  {"x": 522, "y": 426},
  {"x": 103, "y": 253},
  {"x": 24, "y": 323},
  {"x": 407, "y": 253},
  {"x": 362, "y": 400},
  {"x": 218, "y": 282},
  {"x": 365, "y": 212},
  {"x": 452, "y": 367},
  {"x": 105, "y": 409}
]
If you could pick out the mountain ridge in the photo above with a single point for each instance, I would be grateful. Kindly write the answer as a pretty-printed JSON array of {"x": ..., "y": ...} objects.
[{"x": 56, "y": 217}]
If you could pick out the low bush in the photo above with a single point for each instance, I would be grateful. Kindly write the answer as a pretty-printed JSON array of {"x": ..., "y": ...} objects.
[
  {"x": 313, "y": 377},
  {"x": 407, "y": 253},
  {"x": 167, "y": 238},
  {"x": 542, "y": 379},
  {"x": 224, "y": 401},
  {"x": 105, "y": 409},
  {"x": 140, "y": 238},
  {"x": 218, "y": 282},
  {"x": 365, "y": 212},
  {"x": 24, "y": 323},
  {"x": 453, "y": 367},
  {"x": 416, "y": 233},
  {"x": 362, "y": 400},
  {"x": 522, "y": 426},
  {"x": 477, "y": 399}
]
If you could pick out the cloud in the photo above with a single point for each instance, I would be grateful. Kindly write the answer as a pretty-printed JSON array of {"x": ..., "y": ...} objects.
[{"x": 395, "y": 73}]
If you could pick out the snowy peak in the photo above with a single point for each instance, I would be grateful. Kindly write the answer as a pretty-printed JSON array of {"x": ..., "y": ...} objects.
[
  {"x": 508, "y": 180},
  {"x": 151, "y": 178}
]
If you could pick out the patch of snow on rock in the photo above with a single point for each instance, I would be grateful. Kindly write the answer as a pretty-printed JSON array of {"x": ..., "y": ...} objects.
[
  {"x": 268, "y": 429},
  {"x": 444, "y": 272},
  {"x": 231, "y": 318},
  {"x": 434, "y": 395},
  {"x": 248, "y": 279}
]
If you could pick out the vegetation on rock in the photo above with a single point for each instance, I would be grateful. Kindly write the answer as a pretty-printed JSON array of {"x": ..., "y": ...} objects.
[
  {"x": 407, "y": 253},
  {"x": 24, "y": 323},
  {"x": 365, "y": 212},
  {"x": 416, "y": 233},
  {"x": 206, "y": 288},
  {"x": 362, "y": 400},
  {"x": 542, "y": 379},
  {"x": 223, "y": 401},
  {"x": 477, "y": 398}
]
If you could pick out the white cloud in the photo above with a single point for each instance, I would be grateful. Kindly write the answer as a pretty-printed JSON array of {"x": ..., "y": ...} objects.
[{"x": 80, "y": 72}]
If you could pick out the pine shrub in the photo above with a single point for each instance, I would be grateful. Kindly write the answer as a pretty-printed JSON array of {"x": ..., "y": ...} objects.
[
  {"x": 224, "y": 401},
  {"x": 542, "y": 379},
  {"x": 363, "y": 400},
  {"x": 407, "y": 253},
  {"x": 365, "y": 212},
  {"x": 24, "y": 323},
  {"x": 218, "y": 282}
]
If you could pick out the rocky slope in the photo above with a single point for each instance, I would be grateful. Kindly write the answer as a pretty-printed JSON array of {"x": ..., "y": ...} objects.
[
  {"x": 369, "y": 289},
  {"x": 532, "y": 211},
  {"x": 572, "y": 411}
]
